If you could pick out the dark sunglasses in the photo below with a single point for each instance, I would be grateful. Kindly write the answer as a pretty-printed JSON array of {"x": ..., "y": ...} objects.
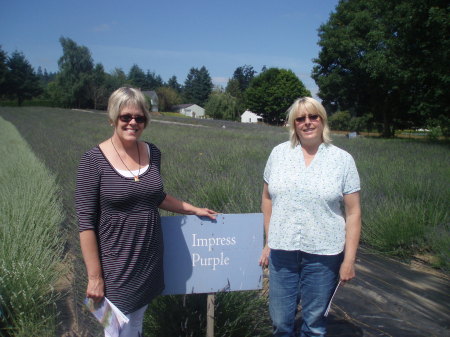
[
  {"x": 128, "y": 117},
  {"x": 312, "y": 118}
]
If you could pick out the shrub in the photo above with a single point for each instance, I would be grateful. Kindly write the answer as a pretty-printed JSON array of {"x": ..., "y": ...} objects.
[
  {"x": 435, "y": 133},
  {"x": 30, "y": 242},
  {"x": 362, "y": 123},
  {"x": 340, "y": 121}
]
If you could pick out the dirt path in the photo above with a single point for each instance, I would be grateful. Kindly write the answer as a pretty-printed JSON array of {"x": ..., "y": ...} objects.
[{"x": 392, "y": 299}]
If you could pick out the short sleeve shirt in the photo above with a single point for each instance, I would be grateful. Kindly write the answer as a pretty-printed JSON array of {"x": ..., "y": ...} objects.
[{"x": 307, "y": 202}]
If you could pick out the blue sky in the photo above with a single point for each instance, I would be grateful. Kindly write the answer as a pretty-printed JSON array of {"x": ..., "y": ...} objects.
[{"x": 170, "y": 37}]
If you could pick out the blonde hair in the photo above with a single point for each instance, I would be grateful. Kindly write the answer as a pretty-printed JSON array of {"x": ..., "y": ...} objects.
[
  {"x": 123, "y": 97},
  {"x": 310, "y": 106}
]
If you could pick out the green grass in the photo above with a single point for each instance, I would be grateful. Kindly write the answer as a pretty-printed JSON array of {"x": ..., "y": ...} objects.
[
  {"x": 174, "y": 114},
  {"x": 219, "y": 164},
  {"x": 30, "y": 240},
  {"x": 236, "y": 314}
]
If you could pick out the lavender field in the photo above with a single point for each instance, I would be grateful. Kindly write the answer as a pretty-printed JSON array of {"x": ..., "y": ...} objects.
[{"x": 219, "y": 165}]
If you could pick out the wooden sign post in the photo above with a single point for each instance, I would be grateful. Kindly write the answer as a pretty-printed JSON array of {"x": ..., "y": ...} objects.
[{"x": 210, "y": 303}]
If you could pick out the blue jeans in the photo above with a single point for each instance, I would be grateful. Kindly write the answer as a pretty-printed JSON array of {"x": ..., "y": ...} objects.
[{"x": 298, "y": 277}]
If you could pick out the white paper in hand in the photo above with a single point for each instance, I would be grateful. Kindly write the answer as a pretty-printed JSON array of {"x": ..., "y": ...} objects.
[
  {"x": 331, "y": 300},
  {"x": 109, "y": 316}
]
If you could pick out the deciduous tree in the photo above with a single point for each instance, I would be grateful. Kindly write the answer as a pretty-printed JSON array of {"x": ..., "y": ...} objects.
[
  {"x": 272, "y": 92},
  {"x": 386, "y": 58},
  {"x": 75, "y": 74},
  {"x": 167, "y": 97},
  {"x": 221, "y": 105}
]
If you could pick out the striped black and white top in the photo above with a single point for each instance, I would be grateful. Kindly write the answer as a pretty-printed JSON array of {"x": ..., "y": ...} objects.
[{"x": 124, "y": 214}]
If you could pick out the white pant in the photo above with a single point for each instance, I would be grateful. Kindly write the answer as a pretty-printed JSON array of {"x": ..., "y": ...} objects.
[{"x": 134, "y": 327}]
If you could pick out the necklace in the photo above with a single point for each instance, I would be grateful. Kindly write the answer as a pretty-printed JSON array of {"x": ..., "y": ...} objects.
[{"x": 136, "y": 178}]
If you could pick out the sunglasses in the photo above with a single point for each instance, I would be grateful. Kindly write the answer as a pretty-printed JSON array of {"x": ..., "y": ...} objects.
[
  {"x": 128, "y": 117},
  {"x": 312, "y": 118}
]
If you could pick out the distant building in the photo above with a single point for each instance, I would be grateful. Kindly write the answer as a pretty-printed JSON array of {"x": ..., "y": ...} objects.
[
  {"x": 190, "y": 110},
  {"x": 153, "y": 100},
  {"x": 250, "y": 117}
]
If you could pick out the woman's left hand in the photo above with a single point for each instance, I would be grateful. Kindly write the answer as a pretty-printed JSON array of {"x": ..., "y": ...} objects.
[
  {"x": 206, "y": 212},
  {"x": 347, "y": 271},
  {"x": 264, "y": 259}
]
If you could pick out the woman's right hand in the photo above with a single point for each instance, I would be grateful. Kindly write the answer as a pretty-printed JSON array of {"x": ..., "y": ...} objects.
[
  {"x": 95, "y": 288},
  {"x": 264, "y": 259}
]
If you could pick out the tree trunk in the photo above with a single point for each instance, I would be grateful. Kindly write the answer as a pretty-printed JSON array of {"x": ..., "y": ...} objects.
[{"x": 387, "y": 124}]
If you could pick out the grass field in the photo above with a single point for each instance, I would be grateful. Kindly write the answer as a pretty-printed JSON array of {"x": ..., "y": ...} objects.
[{"x": 219, "y": 164}]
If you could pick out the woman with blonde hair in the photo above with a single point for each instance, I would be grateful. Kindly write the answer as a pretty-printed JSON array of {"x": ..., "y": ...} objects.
[
  {"x": 119, "y": 191},
  {"x": 312, "y": 220}
]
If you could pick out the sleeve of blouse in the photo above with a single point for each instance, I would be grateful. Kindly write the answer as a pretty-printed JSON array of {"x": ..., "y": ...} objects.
[
  {"x": 268, "y": 168},
  {"x": 87, "y": 193},
  {"x": 351, "y": 178},
  {"x": 156, "y": 156}
]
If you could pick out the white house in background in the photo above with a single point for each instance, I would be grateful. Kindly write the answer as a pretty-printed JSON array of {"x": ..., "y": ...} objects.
[
  {"x": 250, "y": 117},
  {"x": 190, "y": 110}
]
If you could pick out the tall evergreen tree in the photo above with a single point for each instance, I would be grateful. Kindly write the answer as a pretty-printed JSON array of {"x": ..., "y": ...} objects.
[
  {"x": 3, "y": 71},
  {"x": 137, "y": 78},
  {"x": 198, "y": 86},
  {"x": 233, "y": 88},
  {"x": 98, "y": 90},
  {"x": 39, "y": 72},
  {"x": 173, "y": 83},
  {"x": 244, "y": 75},
  {"x": 75, "y": 74},
  {"x": 44, "y": 77},
  {"x": 21, "y": 80},
  {"x": 153, "y": 81},
  {"x": 387, "y": 58},
  {"x": 116, "y": 79},
  {"x": 237, "y": 85}
]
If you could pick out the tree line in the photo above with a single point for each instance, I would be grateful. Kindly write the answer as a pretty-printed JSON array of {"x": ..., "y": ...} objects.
[
  {"x": 382, "y": 65},
  {"x": 80, "y": 83}
]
